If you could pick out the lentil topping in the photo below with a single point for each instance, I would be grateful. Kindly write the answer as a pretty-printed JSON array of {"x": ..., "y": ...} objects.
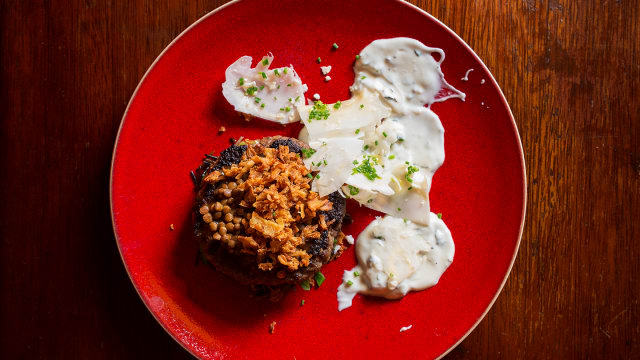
[{"x": 255, "y": 203}]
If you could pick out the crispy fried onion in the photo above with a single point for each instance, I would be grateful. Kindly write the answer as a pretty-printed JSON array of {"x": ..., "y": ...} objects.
[{"x": 285, "y": 213}]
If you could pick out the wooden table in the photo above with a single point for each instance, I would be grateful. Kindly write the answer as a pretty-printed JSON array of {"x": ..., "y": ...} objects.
[{"x": 569, "y": 69}]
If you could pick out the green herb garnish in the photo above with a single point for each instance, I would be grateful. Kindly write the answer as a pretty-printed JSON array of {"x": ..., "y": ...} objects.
[
  {"x": 319, "y": 111},
  {"x": 357, "y": 57},
  {"x": 287, "y": 109},
  {"x": 302, "y": 302},
  {"x": 391, "y": 157},
  {"x": 384, "y": 134},
  {"x": 439, "y": 215},
  {"x": 264, "y": 76},
  {"x": 353, "y": 190},
  {"x": 367, "y": 169},
  {"x": 399, "y": 209},
  {"x": 376, "y": 142},
  {"x": 257, "y": 99},
  {"x": 241, "y": 81},
  {"x": 308, "y": 153},
  {"x": 252, "y": 90},
  {"x": 361, "y": 106},
  {"x": 284, "y": 70},
  {"x": 305, "y": 285},
  {"x": 356, "y": 274},
  {"x": 319, "y": 278},
  {"x": 262, "y": 105},
  {"x": 349, "y": 283},
  {"x": 337, "y": 105},
  {"x": 310, "y": 176},
  {"x": 410, "y": 170},
  {"x": 335, "y": 46},
  {"x": 357, "y": 131},
  {"x": 265, "y": 62},
  {"x": 319, "y": 60},
  {"x": 362, "y": 77}
]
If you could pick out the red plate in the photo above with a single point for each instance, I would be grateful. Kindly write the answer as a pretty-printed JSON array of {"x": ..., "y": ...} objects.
[{"x": 173, "y": 119}]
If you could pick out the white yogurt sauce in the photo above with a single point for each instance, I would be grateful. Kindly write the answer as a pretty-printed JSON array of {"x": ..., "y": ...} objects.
[{"x": 395, "y": 257}]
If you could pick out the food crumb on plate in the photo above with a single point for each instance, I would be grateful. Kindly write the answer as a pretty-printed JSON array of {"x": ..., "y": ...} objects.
[
  {"x": 325, "y": 69},
  {"x": 405, "y": 328},
  {"x": 316, "y": 96},
  {"x": 327, "y": 78},
  {"x": 272, "y": 327},
  {"x": 222, "y": 129},
  {"x": 349, "y": 239},
  {"x": 171, "y": 227}
]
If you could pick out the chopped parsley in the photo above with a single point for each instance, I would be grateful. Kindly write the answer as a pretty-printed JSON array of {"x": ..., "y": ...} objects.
[
  {"x": 410, "y": 170},
  {"x": 265, "y": 62},
  {"x": 284, "y": 70},
  {"x": 410, "y": 188},
  {"x": 310, "y": 176},
  {"x": 356, "y": 274},
  {"x": 337, "y": 105},
  {"x": 439, "y": 215},
  {"x": 366, "y": 147},
  {"x": 297, "y": 98},
  {"x": 391, "y": 157},
  {"x": 399, "y": 209},
  {"x": 287, "y": 109},
  {"x": 353, "y": 190},
  {"x": 349, "y": 283},
  {"x": 400, "y": 140},
  {"x": 355, "y": 162},
  {"x": 257, "y": 99},
  {"x": 262, "y": 105},
  {"x": 361, "y": 106},
  {"x": 319, "y": 111},
  {"x": 367, "y": 169},
  {"x": 264, "y": 75},
  {"x": 376, "y": 142},
  {"x": 319, "y": 278},
  {"x": 357, "y": 57},
  {"x": 278, "y": 87},
  {"x": 302, "y": 302},
  {"x": 319, "y": 60},
  {"x": 290, "y": 100},
  {"x": 252, "y": 90},
  {"x": 335, "y": 46},
  {"x": 362, "y": 77},
  {"x": 305, "y": 285},
  {"x": 261, "y": 87},
  {"x": 384, "y": 134},
  {"x": 317, "y": 176},
  {"x": 370, "y": 200},
  {"x": 288, "y": 84},
  {"x": 357, "y": 131},
  {"x": 241, "y": 81},
  {"x": 308, "y": 153}
]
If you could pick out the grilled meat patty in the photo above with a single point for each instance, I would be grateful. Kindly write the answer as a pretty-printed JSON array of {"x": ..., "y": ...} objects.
[{"x": 225, "y": 251}]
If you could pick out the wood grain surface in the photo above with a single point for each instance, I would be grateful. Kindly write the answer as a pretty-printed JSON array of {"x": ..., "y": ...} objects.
[{"x": 569, "y": 69}]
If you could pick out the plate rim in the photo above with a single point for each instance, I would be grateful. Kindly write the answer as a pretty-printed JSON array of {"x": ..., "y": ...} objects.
[{"x": 401, "y": 2}]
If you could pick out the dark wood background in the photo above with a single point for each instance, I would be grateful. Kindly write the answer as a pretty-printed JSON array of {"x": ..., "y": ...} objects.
[{"x": 569, "y": 69}]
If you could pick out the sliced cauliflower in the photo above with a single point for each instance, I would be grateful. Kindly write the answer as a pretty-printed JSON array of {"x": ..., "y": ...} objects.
[{"x": 268, "y": 94}]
